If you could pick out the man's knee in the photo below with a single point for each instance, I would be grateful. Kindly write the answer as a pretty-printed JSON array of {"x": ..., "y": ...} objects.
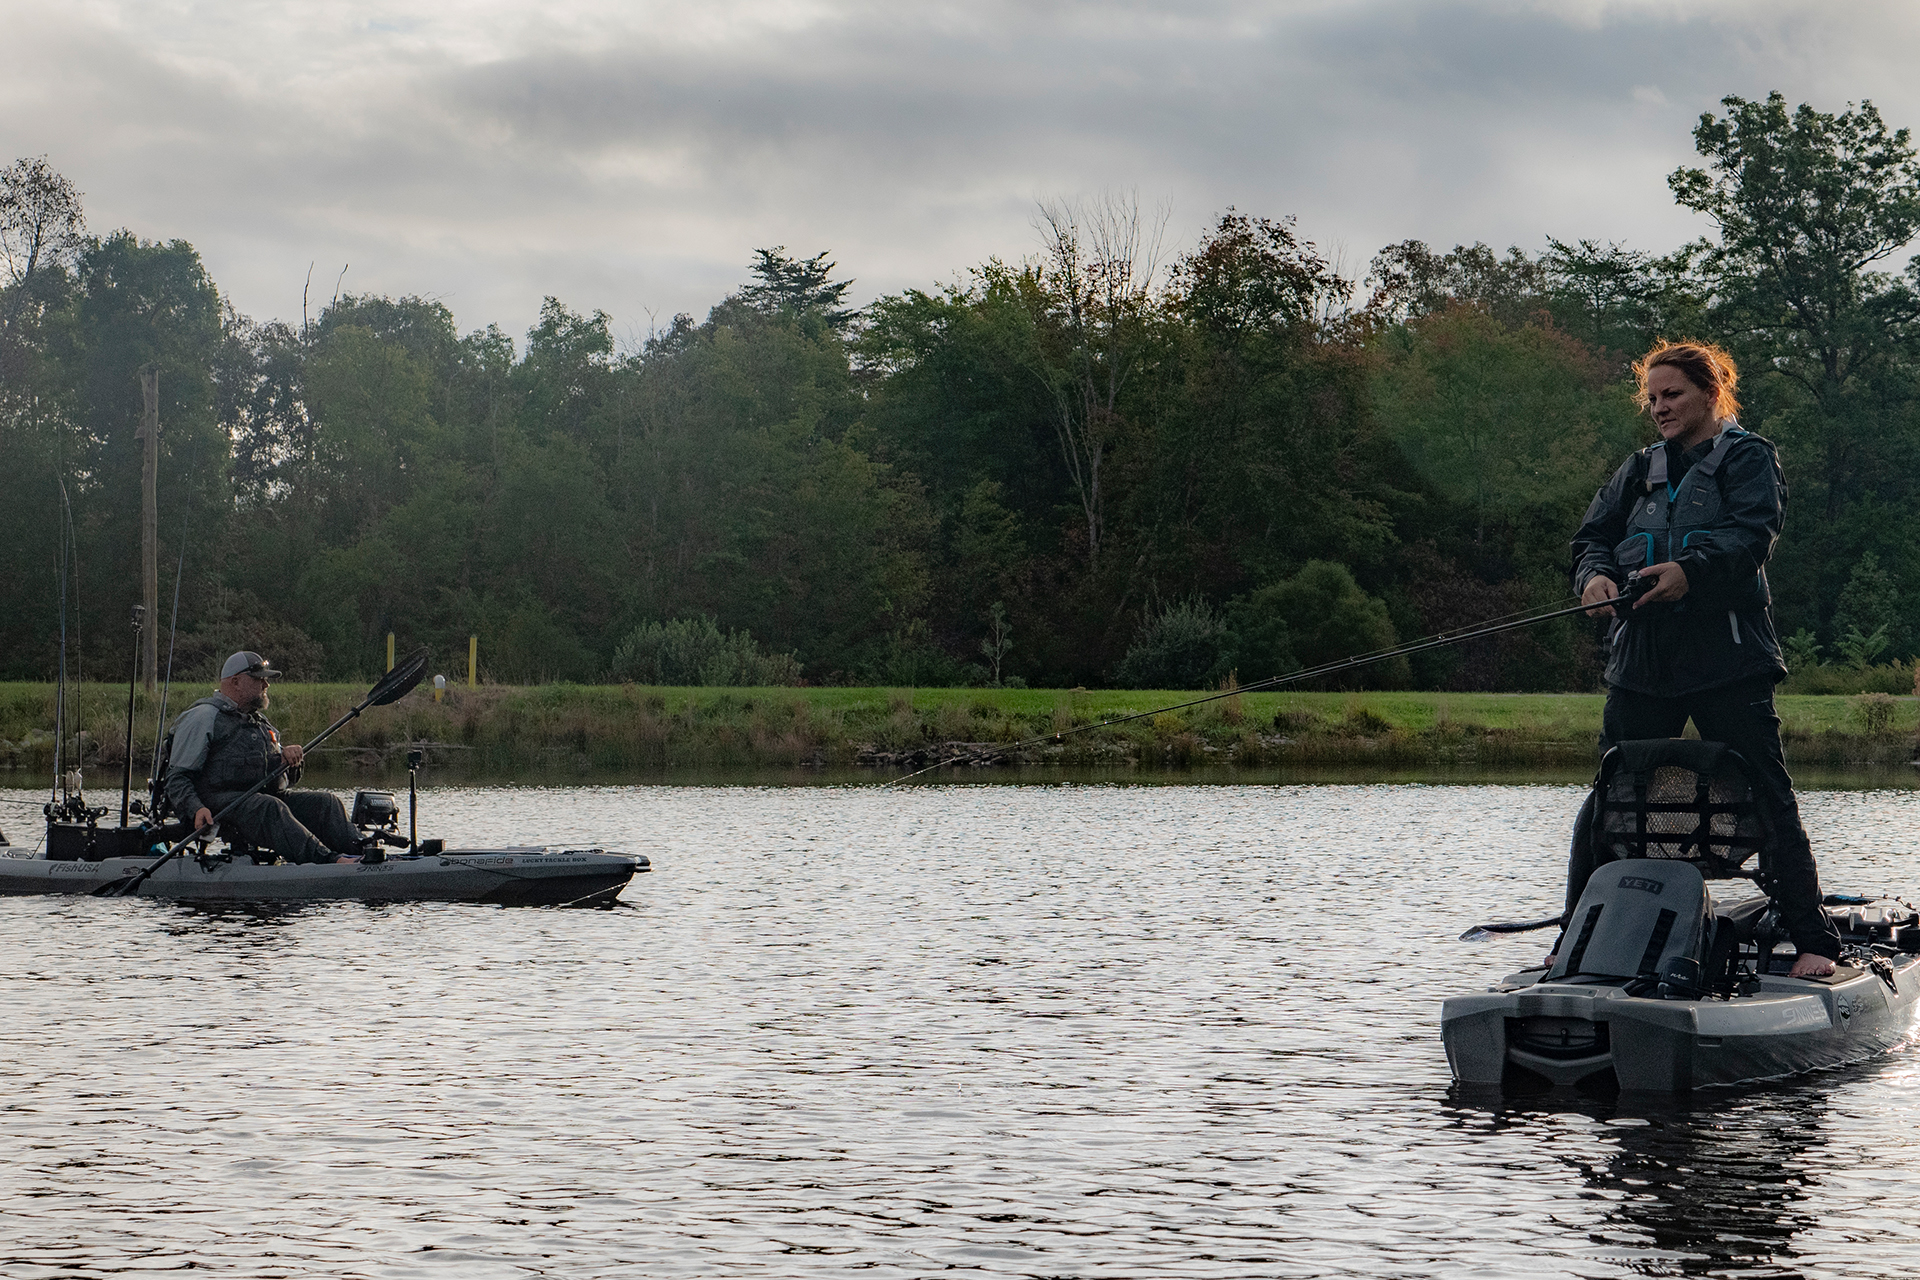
[
  {"x": 326, "y": 817},
  {"x": 258, "y": 816},
  {"x": 269, "y": 822},
  {"x": 319, "y": 805}
]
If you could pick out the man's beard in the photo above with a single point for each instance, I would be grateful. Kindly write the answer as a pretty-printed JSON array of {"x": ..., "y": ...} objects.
[{"x": 260, "y": 702}]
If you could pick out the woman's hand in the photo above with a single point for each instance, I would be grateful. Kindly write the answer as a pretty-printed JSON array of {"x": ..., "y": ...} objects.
[
  {"x": 1670, "y": 583},
  {"x": 1600, "y": 589}
]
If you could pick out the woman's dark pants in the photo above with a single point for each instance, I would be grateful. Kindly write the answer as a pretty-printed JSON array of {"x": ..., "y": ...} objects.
[{"x": 1740, "y": 715}]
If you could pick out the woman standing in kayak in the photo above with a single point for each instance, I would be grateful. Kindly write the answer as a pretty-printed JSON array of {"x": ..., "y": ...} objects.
[{"x": 1697, "y": 513}]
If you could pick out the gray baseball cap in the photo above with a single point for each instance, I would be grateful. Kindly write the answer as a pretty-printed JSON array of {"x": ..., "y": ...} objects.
[{"x": 251, "y": 663}]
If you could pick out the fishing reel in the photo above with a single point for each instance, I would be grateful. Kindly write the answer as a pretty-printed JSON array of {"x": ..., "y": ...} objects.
[
  {"x": 73, "y": 809},
  {"x": 1631, "y": 591}
]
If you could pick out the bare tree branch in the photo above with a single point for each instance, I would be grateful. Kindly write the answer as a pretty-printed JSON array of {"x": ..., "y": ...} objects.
[{"x": 1099, "y": 263}]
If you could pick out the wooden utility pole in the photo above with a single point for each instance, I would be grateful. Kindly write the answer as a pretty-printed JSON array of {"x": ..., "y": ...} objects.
[{"x": 149, "y": 434}]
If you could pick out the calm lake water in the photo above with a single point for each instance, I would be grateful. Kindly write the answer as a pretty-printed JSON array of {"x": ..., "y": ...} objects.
[{"x": 987, "y": 1030}]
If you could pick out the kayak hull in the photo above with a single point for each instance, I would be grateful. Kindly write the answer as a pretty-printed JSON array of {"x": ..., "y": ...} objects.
[
  {"x": 1527, "y": 1033},
  {"x": 516, "y": 876}
]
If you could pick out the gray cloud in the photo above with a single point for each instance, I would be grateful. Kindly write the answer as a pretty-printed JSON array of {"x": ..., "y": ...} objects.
[{"x": 629, "y": 158}]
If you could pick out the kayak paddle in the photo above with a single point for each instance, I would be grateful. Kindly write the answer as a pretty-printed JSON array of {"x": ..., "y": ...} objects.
[{"x": 1483, "y": 932}]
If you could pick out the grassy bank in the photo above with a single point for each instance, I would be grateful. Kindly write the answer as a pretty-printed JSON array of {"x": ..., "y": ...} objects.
[{"x": 547, "y": 729}]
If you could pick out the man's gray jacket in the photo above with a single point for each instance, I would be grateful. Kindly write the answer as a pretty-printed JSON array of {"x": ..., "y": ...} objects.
[{"x": 218, "y": 751}]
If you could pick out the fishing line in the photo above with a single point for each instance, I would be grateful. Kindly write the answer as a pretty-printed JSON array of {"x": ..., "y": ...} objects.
[
  {"x": 1495, "y": 626},
  {"x": 1461, "y": 634}
]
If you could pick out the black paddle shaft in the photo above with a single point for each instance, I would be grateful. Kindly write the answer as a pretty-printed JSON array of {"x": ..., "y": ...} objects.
[{"x": 391, "y": 688}]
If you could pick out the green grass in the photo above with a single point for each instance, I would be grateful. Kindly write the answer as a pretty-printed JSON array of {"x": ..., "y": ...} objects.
[{"x": 497, "y": 730}]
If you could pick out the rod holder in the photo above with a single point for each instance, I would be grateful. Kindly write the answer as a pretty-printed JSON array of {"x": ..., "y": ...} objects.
[{"x": 415, "y": 758}]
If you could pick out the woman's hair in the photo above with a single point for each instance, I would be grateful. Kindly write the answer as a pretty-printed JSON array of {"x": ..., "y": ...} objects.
[{"x": 1706, "y": 366}]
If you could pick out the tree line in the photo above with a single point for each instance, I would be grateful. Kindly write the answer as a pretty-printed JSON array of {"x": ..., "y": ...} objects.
[{"x": 1096, "y": 463}]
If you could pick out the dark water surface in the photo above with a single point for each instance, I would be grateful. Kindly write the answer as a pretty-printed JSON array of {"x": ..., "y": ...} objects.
[{"x": 973, "y": 1030}]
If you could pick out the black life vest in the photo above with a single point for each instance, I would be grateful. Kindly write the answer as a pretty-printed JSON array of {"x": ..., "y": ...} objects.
[
  {"x": 1668, "y": 518},
  {"x": 242, "y": 749}
]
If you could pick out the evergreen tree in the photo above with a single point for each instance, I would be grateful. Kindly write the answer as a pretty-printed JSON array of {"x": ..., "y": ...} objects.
[{"x": 798, "y": 286}]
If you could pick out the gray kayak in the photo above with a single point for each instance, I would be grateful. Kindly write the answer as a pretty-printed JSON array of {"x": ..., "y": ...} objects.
[
  {"x": 508, "y": 876},
  {"x": 1628, "y": 1006}
]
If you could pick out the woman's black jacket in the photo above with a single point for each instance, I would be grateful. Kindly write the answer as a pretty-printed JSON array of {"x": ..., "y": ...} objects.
[{"x": 1722, "y": 631}]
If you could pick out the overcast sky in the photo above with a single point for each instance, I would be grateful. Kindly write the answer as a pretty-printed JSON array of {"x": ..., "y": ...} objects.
[{"x": 629, "y": 156}]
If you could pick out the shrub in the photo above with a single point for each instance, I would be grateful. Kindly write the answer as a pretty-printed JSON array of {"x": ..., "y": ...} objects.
[
  {"x": 1869, "y": 606},
  {"x": 1317, "y": 616},
  {"x": 1232, "y": 710},
  {"x": 1888, "y": 677},
  {"x": 1180, "y": 649},
  {"x": 1801, "y": 650},
  {"x": 1366, "y": 722},
  {"x": 907, "y": 658},
  {"x": 694, "y": 651},
  {"x": 1296, "y": 720},
  {"x": 1875, "y": 711},
  {"x": 1860, "y": 650}
]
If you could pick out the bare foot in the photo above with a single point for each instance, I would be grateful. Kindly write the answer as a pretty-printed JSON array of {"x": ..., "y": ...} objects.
[
  {"x": 1809, "y": 965},
  {"x": 347, "y": 857}
]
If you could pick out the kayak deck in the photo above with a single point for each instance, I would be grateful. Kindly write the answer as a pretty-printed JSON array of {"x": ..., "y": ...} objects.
[
  {"x": 1529, "y": 1033},
  {"x": 508, "y": 876}
]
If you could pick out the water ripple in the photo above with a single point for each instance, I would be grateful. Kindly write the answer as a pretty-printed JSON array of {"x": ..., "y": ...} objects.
[{"x": 997, "y": 1031}]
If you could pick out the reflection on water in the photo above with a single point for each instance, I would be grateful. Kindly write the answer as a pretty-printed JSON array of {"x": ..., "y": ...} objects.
[
  {"x": 1007, "y": 1031},
  {"x": 1719, "y": 1185}
]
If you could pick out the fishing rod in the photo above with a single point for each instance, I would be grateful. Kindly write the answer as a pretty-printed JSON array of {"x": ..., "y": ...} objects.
[
  {"x": 60, "y": 686},
  {"x": 77, "y": 686},
  {"x": 1634, "y": 589},
  {"x": 133, "y": 679},
  {"x": 173, "y": 638}
]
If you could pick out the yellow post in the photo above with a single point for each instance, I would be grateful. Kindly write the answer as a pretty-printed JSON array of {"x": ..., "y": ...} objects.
[
  {"x": 473, "y": 661},
  {"x": 389, "y": 650}
]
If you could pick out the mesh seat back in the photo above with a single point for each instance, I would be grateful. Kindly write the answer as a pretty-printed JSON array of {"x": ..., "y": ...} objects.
[{"x": 1671, "y": 798}]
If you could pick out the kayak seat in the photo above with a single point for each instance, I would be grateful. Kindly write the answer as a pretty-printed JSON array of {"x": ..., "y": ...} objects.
[
  {"x": 173, "y": 829},
  {"x": 1634, "y": 916},
  {"x": 1673, "y": 798},
  {"x": 238, "y": 846},
  {"x": 1666, "y": 802}
]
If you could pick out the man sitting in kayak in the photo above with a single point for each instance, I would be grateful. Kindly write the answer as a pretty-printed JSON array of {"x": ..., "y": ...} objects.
[{"x": 223, "y": 744}]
